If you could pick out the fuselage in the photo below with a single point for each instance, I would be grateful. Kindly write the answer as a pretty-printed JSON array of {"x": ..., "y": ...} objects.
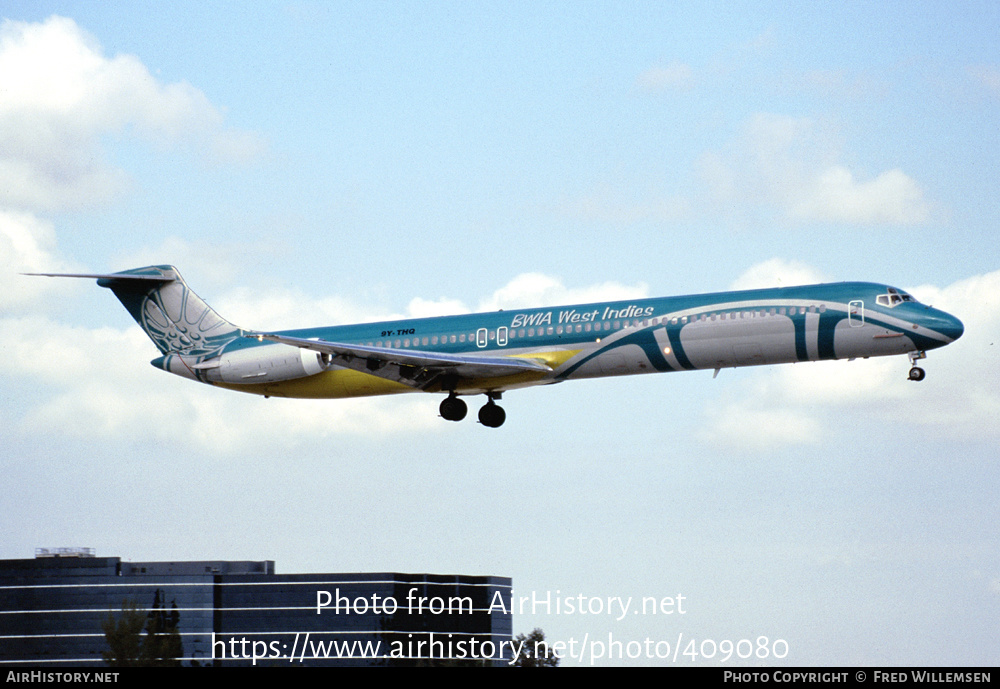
[
  {"x": 490, "y": 353},
  {"x": 709, "y": 331}
]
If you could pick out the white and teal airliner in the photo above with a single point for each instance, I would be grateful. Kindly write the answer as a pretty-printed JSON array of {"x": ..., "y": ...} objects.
[{"x": 490, "y": 353}]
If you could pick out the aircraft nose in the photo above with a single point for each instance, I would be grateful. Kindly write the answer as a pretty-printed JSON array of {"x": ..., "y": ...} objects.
[{"x": 951, "y": 327}]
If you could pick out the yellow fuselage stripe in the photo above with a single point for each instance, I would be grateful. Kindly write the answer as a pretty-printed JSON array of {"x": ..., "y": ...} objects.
[{"x": 343, "y": 383}]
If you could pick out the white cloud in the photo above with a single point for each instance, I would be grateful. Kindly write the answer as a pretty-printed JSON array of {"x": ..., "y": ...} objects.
[
  {"x": 100, "y": 386},
  {"x": 790, "y": 167},
  {"x": 892, "y": 198},
  {"x": 778, "y": 272},
  {"x": 222, "y": 422},
  {"x": 278, "y": 309},
  {"x": 113, "y": 393},
  {"x": 428, "y": 308},
  {"x": 536, "y": 289},
  {"x": 61, "y": 95},
  {"x": 773, "y": 407},
  {"x": 283, "y": 309},
  {"x": 27, "y": 244},
  {"x": 810, "y": 402}
]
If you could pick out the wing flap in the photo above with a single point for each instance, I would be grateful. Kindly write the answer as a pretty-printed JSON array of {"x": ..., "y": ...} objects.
[{"x": 416, "y": 368}]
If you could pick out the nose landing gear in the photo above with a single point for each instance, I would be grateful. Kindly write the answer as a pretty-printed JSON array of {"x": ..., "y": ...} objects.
[{"x": 917, "y": 373}]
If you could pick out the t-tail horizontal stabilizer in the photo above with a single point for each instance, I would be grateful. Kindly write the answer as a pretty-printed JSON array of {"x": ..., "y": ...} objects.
[{"x": 176, "y": 319}]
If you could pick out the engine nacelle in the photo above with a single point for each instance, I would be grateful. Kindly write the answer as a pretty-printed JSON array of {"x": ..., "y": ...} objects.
[{"x": 267, "y": 364}]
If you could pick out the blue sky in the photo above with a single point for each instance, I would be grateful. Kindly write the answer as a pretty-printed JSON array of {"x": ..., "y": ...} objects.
[{"x": 317, "y": 163}]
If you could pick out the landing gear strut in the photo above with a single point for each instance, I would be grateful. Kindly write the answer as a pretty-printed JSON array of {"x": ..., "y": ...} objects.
[
  {"x": 917, "y": 373},
  {"x": 452, "y": 408}
]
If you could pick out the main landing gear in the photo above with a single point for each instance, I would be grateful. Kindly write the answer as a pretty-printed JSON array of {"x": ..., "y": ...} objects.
[
  {"x": 453, "y": 409},
  {"x": 917, "y": 373},
  {"x": 491, "y": 414}
]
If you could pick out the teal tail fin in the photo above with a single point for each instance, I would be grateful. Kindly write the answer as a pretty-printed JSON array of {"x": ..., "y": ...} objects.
[{"x": 176, "y": 319}]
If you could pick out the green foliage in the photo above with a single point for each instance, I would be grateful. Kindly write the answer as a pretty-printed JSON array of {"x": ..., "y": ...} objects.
[
  {"x": 123, "y": 636},
  {"x": 127, "y": 647}
]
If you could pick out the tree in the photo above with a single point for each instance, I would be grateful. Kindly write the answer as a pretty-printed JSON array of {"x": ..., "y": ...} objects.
[
  {"x": 127, "y": 647},
  {"x": 535, "y": 652},
  {"x": 162, "y": 646},
  {"x": 123, "y": 636}
]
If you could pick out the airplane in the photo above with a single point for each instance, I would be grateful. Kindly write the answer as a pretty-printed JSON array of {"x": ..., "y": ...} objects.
[{"x": 491, "y": 353}]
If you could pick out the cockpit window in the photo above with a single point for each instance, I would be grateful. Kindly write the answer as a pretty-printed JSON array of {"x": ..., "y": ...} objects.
[{"x": 893, "y": 298}]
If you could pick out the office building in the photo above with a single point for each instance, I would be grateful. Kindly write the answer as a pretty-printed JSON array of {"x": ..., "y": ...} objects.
[{"x": 53, "y": 610}]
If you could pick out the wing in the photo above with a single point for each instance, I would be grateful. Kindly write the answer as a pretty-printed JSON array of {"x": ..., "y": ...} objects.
[
  {"x": 122, "y": 277},
  {"x": 418, "y": 369}
]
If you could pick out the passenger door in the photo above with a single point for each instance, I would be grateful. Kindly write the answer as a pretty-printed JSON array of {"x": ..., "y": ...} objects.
[{"x": 856, "y": 313}]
